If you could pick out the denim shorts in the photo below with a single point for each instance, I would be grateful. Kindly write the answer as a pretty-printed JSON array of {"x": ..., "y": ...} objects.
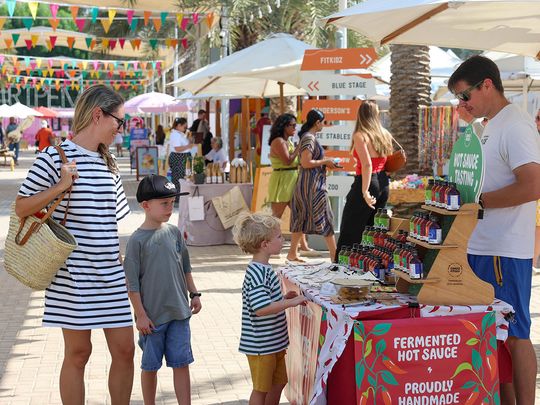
[
  {"x": 172, "y": 339},
  {"x": 513, "y": 286}
]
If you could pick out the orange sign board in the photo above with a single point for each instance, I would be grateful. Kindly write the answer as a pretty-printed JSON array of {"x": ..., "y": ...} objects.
[
  {"x": 346, "y": 160},
  {"x": 340, "y": 58},
  {"x": 333, "y": 110}
]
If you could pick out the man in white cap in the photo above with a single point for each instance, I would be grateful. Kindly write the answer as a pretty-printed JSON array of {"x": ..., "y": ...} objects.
[{"x": 44, "y": 136}]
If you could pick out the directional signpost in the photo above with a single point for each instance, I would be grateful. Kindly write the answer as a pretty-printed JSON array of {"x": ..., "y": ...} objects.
[
  {"x": 340, "y": 58},
  {"x": 327, "y": 84},
  {"x": 333, "y": 110}
]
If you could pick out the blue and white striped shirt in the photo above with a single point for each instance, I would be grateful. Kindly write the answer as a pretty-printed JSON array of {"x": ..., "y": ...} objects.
[
  {"x": 89, "y": 291},
  {"x": 262, "y": 334}
]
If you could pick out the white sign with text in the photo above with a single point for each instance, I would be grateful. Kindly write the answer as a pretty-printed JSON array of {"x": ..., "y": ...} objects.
[
  {"x": 327, "y": 84},
  {"x": 336, "y": 135},
  {"x": 339, "y": 186}
]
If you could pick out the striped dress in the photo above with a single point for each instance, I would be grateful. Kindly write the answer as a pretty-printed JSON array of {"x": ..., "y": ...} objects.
[
  {"x": 310, "y": 207},
  {"x": 262, "y": 334},
  {"x": 89, "y": 291}
]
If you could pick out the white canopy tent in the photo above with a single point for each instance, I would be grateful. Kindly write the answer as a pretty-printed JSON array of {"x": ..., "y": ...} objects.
[
  {"x": 256, "y": 71},
  {"x": 19, "y": 110},
  {"x": 498, "y": 25}
]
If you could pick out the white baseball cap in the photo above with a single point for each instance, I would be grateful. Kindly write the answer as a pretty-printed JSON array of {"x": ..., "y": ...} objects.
[{"x": 44, "y": 124}]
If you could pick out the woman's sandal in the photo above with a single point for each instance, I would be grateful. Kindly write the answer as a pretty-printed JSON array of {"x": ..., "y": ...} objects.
[{"x": 296, "y": 260}]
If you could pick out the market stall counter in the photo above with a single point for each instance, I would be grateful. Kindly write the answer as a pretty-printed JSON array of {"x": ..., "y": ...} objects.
[
  {"x": 385, "y": 347},
  {"x": 207, "y": 229}
]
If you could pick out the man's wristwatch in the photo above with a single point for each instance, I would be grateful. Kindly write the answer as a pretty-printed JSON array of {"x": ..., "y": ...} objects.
[
  {"x": 194, "y": 294},
  {"x": 481, "y": 201}
]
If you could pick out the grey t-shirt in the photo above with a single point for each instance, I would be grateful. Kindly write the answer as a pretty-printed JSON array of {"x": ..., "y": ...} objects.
[{"x": 155, "y": 265}]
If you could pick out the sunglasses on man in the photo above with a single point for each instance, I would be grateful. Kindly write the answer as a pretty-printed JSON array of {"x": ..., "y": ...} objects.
[
  {"x": 465, "y": 95},
  {"x": 121, "y": 122}
]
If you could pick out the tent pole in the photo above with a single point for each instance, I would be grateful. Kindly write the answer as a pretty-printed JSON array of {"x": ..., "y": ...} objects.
[{"x": 281, "y": 100}]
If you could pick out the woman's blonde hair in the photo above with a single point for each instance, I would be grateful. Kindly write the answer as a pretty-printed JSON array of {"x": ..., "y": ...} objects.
[
  {"x": 369, "y": 124},
  {"x": 109, "y": 101},
  {"x": 251, "y": 230}
]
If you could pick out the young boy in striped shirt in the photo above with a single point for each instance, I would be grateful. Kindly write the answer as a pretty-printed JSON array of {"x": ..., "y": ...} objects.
[{"x": 264, "y": 337}]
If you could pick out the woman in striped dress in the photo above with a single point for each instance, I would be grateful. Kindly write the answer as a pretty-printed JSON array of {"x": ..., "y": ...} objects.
[
  {"x": 310, "y": 207},
  {"x": 89, "y": 291}
]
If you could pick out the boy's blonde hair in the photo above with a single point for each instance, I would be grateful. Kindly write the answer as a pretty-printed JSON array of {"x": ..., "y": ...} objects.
[{"x": 251, "y": 230}]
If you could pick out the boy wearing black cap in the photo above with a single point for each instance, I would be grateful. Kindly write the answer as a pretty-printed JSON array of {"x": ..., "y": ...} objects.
[{"x": 159, "y": 281}]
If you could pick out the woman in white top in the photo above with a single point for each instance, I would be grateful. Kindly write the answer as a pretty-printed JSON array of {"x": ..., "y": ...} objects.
[
  {"x": 217, "y": 154},
  {"x": 180, "y": 151}
]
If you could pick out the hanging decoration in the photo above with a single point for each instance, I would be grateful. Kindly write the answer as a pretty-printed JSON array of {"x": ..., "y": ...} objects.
[
  {"x": 54, "y": 23},
  {"x": 33, "y": 6}
]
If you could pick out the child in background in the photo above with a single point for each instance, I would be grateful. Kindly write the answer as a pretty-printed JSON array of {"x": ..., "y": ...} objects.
[
  {"x": 158, "y": 273},
  {"x": 264, "y": 337}
]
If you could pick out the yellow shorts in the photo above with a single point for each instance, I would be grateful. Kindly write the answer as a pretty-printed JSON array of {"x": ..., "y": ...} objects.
[{"x": 267, "y": 370}]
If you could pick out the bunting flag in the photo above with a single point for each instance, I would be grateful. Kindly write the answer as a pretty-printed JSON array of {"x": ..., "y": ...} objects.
[
  {"x": 96, "y": 65},
  {"x": 121, "y": 41},
  {"x": 80, "y": 22},
  {"x": 38, "y": 62},
  {"x": 95, "y": 13},
  {"x": 74, "y": 12},
  {"x": 15, "y": 38},
  {"x": 163, "y": 16},
  {"x": 54, "y": 23},
  {"x": 210, "y": 20},
  {"x": 129, "y": 15},
  {"x": 147, "y": 15},
  {"x": 11, "y": 6},
  {"x": 135, "y": 43},
  {"x": 106, "y": 24},
  {"x": 88, "y": 41},
  {"x": 179, "y": 18},
  {"x": 84, "y": 64},
  {"x": 2, "y": 22},
  {"x": 195, "y": 18},
  {"x": 28, "y": 22},
  {"x": 34, "y": 38},
  {"x": 153, "y": 43},
  {"x": 112, "y": 14},
  {"x": 28, "y": 43},
  {"x": 157, "y": 24},
  {"x": 168, "y": 42},
  {"x": 26, "y": 61},
  {"x": 184, "y": 23},
  {"x": 104, "y": 43},
  {"x": 93, "y": 44},
  {"x": 33, "y": 6},
  {"x": 184, "y": 43},
  {"x": 135, "y": 66},
  {"x": 49, "y": 45},
  {"x": 3, "y": 58},
  {"x": 112, "y": 44},
  {"x": 70, "y": 42},
  {"x": 57, "y": 85},
  {"x": 133, "y": 24},
  {"x": 174, "y": 43},
  {"x": 72, "y": 73},
  {"x": 50, "y": 63},
  {"x": 143, "y": 65}
]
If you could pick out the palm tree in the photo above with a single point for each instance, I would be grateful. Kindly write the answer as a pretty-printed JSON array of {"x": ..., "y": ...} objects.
[{"x": 410, "y": 89}]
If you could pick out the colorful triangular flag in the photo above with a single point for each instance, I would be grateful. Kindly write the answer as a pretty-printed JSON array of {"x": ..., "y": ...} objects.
[
  {"x": 11, "y": 6},
  {"x": 112, "y": 44},
  {"x": 210, "y": 19},
  {"x": 184, "y": 24},
  {"x": 28, "y": 22},
  {"x": 195, "y": 17},
  {"x": 157, "y": 24},
  {"x": 104, "y": 43},
  {"x": 70, "y": 42},
  {"x": 54, "y": 23},
  {"x": 179, "y": 18},
  {"x": 74, "y": 12},
  {"x": 163, "y": 16},
  {"x": 34, "y": 39},
  {"x": 95, "y": 13},
  {"x": 133, "y": 24},
  {"x": 33, "y": 6},
  {"x": 88, "y": 41},
  {"x": 121, "y": 41},
  {"x": 15, "y": 38},
  {"x": 106, "y": 24},
  {"x": 147, "y": 15},
  {"x": 28, "y": 43},
  {"x": 135, "y": 43},
  {"x": 112, "y": 14},
  {"x": 80, "y": 22},
  {"x": 184, "y": 43},
  {"x": 129, "y": 14},
  {"x": 2, "y": 22},
  {"x": 153, "y": 43}
]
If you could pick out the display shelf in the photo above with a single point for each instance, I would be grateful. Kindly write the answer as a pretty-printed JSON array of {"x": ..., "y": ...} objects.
[
  {"x": 430, "y": 246},
  {"x": 405, "y": 276},
  {"x": 464, "y": 210}
]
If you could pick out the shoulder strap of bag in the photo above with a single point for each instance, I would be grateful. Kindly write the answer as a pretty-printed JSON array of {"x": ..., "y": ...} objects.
[
  {"x": 397, "y": 143},
  {"x": 35, "y": 226}
]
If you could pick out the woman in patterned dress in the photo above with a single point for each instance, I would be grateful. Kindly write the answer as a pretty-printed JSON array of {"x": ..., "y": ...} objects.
[
  {"x": 180, "y": 147},
  {"x": 89, "y": 290},
  {"x": 310, "y": 207}
]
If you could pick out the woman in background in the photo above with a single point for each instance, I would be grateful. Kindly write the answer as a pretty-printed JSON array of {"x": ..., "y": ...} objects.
[
  {"x": 310, "y": 207},
  {"x": 160, "y": 135},
  {"x": 371, "y": 144},
  {"x": 179, "y": 151}
]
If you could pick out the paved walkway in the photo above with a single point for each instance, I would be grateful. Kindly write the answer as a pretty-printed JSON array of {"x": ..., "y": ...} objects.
[{"x": 30, "y": 356}]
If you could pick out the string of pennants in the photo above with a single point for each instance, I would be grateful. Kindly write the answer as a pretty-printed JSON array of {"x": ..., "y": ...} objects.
[
  {"x": 37, "y": 62},
  {"x": 39, "y": 84},
  {"x": 182, "y": 19},
  {"x": 92, "y": 42}
]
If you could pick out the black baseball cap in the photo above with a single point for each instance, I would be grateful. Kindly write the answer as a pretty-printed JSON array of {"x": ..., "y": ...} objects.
[{"x": 154, "y": 187}]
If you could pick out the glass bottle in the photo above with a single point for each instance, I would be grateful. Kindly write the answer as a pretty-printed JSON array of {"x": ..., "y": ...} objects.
[
  {"x": 435, "y": 231},
  {"x": 429, "y": 188},
  {"x": 453, "y": 199}
]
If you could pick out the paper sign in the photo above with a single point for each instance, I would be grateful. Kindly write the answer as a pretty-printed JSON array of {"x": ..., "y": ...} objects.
[{"x": 340, "y": 58}]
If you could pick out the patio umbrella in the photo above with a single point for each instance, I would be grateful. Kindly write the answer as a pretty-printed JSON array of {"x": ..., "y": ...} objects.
[
  {"x": 497, "y": 25},
  {"x": 46, "y": 112},
  {"x": 270, "y": 68},
  {"x": 154, "y": 102},
  {"x": 5, "y": 111}
]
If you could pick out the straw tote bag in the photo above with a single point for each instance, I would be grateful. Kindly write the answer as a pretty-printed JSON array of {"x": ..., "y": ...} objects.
[
  {"x": 396, "y": 160},
  {"x": 37, "y": 246}
]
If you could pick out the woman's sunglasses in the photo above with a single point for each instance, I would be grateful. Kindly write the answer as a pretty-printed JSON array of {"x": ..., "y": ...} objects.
[
  {"x": 120, "y": 121},
  {"x": 465, "y": 95}
]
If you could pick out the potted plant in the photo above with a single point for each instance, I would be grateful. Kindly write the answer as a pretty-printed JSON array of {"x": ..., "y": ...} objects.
[{"x": 198, "y": 170}]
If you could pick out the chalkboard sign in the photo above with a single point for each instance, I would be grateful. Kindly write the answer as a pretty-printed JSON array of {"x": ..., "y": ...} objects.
[{"x": 147, "y": 161}]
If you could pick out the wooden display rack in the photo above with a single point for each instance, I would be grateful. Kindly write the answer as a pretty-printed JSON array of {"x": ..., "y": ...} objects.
[{"x": 450, "y": 280}]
